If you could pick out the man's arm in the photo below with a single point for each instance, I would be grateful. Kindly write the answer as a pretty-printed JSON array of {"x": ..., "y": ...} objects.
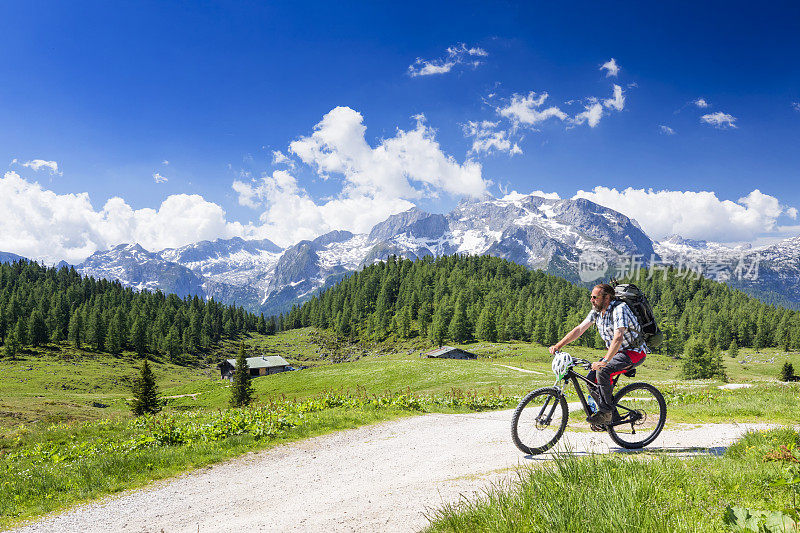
[
  {"x": 576, "y": 332},
  {"x": 613, "y": 348}
]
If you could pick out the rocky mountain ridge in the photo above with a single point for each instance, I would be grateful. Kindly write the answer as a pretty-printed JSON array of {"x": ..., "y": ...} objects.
[{"x": 542, "y": 233}]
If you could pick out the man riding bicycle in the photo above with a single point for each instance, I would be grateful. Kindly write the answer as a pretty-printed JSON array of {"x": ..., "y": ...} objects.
[{"x": 621, "y": 332}]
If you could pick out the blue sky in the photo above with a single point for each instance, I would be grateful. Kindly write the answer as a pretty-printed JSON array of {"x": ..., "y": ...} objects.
[{"x": 109, "y": 92}]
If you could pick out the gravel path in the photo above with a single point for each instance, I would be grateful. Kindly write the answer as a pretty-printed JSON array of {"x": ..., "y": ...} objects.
[{"x": 373, "y": 478}]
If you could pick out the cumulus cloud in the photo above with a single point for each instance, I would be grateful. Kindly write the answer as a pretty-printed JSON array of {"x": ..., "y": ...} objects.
[
  {"x": 719, "y": 120},
  {"x": 43, "y": 225},
  {"x": 591, "y": 115},
  {"x": 527, "y": 110},
  {"x": 39, "y": 164},
  {"x": 514, "y": 196},
  {"x": 376, "y": 181},
  {"x": 796, "y": 106},
  {"x": 409, "y": 165},
  {"x": 593, "y": 109},
  {"x": 458, "y": 54},
  {"x": 291, "y": 215},
  {"x": 158, "y": 178},
  {"x": 611, "y": 68},
  {"x": 279, "y": 158},
  {"x": 695, "y": 215},
  {"x": 701, "y": 103},
  {"x": 617, "y": 101},
  {"x": 666, "y": 130},
  {"x": 487, "y": 138}
]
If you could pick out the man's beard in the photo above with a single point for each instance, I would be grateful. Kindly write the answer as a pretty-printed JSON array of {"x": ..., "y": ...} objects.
[{"x": 597, "y": 307}]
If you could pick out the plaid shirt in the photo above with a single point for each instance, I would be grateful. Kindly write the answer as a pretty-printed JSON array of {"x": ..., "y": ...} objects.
[{"x": 618, "y": 315}]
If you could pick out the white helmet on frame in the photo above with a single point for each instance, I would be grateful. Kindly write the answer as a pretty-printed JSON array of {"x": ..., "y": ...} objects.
[{"x": 561, "y": 362}]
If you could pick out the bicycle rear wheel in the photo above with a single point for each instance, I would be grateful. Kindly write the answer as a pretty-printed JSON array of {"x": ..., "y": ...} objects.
[
  {"x": 642, "y": 410},
  {"x": 539, "y": 420}
]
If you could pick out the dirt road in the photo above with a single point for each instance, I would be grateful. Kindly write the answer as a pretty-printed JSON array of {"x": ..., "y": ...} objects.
[{"x": 375, "y": 478}]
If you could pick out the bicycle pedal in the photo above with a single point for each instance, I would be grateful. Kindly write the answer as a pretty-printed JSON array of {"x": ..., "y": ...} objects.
[{"x": 595, "y": 427}]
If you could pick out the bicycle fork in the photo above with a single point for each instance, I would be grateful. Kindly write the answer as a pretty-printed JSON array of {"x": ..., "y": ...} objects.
[{"x": 543, "y": 419}]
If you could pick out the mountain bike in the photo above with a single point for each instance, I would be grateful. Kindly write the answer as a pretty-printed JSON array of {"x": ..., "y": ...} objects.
[{"x": 541, "y": 417}]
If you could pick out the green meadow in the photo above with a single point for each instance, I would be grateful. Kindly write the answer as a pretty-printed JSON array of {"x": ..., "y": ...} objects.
[{"x": 67, "y": 435}]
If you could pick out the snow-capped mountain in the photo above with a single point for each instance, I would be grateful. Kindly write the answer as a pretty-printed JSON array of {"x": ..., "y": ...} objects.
[
  {"x": 530, "y": 230},
  {"x": 541, "y": 233},
  {"x": 770, "y": 272},
  {"x": 135, "y": 267}
]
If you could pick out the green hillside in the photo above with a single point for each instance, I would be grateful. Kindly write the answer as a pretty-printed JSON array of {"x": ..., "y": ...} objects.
[
  {"x": 40, "y": 305},
  {"x": 462, "y": 298}
]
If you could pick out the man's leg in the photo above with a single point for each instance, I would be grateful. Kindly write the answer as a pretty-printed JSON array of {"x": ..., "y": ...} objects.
[{"x": 620, "y": 361}]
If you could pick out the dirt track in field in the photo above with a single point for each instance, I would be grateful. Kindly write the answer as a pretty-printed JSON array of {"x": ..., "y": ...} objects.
[{"x": 374, "y": 478}]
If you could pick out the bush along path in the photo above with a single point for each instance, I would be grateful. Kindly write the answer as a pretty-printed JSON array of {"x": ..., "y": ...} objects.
[{"x": 390, "y": 476}]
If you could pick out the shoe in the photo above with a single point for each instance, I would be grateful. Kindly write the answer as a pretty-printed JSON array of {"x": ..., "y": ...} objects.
[{"x": 599, "y": 418}]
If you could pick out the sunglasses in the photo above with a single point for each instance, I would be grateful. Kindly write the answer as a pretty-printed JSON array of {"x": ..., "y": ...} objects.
[{"x": 593, "y": 297}]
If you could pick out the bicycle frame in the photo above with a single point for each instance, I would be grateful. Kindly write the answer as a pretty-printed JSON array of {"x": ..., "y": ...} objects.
[{"x": 573, "y": 377}]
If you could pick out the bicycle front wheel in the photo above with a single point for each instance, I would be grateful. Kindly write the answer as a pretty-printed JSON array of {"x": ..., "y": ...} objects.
[
  {"x": 539, "y": 420},
  {"x": 639, "y": 415}
]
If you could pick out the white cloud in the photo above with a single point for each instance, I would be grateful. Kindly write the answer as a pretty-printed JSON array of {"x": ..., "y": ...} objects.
[
  {"x": 455, "y": 55},
  {"x": 165, "y": 162},
  {"x": 695, "y": 215},
  {"x": 592, "y": 114},
  {"x": 488, "y": 139},
  {"x": 514, "y": 196},
  {"x": 701, "y": 103},
  {"x": 376, "y": 181},
  {"x": 593, "y": 109},
  {"x": 618, "y": 100},
  {"x": 409, "y": 165},
  {"x": 611, "y": 68},
  {"x": 796, "y": 106},
  {"x": 279, "y": 158},
  {"x": 43, "y": 225},
  {"x": 792, "y": 213},
  {"x": 666, "y": 130},
  {"x": 158, "y": 178},
  {"x": 39, "y": 164},
  {"x": 526, "y": 109},
  {"x": 719, "y": 120}
]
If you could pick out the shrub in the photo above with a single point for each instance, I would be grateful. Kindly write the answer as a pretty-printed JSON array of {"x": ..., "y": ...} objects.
[
  {"x": 700, "y": 362},
  {"x": 787, "y": 372}
]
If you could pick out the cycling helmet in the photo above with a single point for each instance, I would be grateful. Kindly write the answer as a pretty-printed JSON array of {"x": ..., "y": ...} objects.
[{"x": 561, "y": 362}]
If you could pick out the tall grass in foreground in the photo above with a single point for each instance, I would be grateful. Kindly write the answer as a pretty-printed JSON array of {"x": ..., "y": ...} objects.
[{"x": 629, "y": 492}]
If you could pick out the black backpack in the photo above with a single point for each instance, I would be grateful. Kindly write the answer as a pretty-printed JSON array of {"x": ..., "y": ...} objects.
[{"x": 637, "y": 301}]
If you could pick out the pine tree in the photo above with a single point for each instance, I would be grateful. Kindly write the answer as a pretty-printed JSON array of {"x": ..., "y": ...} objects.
[
  {"x": 486, "y": 326},
  {"x": 172, "y": 343},
  {"x": 787, "y": 372},
  {"x": 12, "y": 346},
  {"x": 76, "y": 329},
  {"x": 242, "y": 388},
  {"x": 459, "y": 325},
  {"x": 37, "y": 329},
  {"x": 733, "y": 349},
  {"x": 114, "y": 339},
  {"x": 404, "y": 323},
  {"x": 145, "y": 393},
  {"x": 139, "y": 337},
  {"x": 21, "y": 331},
  {"x": 97, "y": 333},
  {"x": 701, "y": 363}
]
